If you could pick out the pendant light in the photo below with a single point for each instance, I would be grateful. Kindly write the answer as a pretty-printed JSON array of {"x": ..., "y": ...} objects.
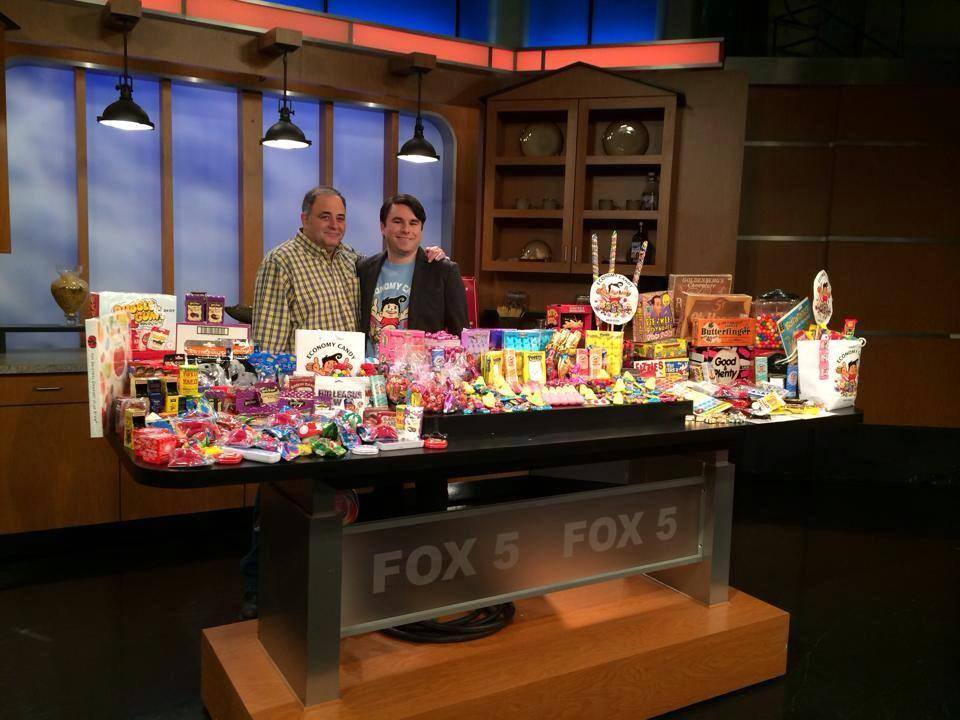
[
  {"x": 124, "y": 113},
  {"x": 418, "y": 149},
  {"x": 283, "y": 134}
]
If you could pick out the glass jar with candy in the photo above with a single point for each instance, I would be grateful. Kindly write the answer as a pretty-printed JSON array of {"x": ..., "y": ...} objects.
[{"x": 768, "y": 309}]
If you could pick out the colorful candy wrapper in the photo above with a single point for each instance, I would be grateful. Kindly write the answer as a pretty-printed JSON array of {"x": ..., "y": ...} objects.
[
  {"x": 849, "y": 328},
  {"x": 324, "y": 447},
  {"x": 594, "y": 256}
]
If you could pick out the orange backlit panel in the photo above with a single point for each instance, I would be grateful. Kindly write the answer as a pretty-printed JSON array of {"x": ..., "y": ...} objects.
[
  {"x": 261, "y": 16},
  {"x": 529, "y": 60},
  {"x": 406, "y": 42},
  {"x": 502, "y": 59},
  {"x": 170, "y": 6},
  {"x": 629, "y": 56}
]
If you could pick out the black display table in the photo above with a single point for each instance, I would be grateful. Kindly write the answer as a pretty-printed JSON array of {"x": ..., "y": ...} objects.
[{"x": 637, "y": 491}]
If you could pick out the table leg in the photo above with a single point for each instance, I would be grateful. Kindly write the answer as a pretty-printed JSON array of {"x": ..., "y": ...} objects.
[
  {"x": 300, "y": 566},
  {"x": 708, "y": 580}
]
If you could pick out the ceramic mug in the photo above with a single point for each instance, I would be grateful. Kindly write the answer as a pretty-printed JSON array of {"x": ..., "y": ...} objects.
[
  {"x": 523, "y": 204},
  {"x": 633, "y": 204},
  {"x": 551, "y": 204},
  {"x": 605, "y": 204}
]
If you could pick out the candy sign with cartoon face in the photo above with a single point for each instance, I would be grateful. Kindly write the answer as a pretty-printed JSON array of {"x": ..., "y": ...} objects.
[{"x": 614, "y": 298}]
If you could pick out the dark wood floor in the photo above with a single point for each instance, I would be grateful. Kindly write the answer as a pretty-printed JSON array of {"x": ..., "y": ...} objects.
[{"x": 105, "y": 622}]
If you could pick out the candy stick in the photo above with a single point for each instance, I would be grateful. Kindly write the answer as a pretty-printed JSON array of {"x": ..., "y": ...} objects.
[
  {"x": 595, "y": 256},
  {"x": 640, "y": 258},
  {"x": 613, "y": 252}
]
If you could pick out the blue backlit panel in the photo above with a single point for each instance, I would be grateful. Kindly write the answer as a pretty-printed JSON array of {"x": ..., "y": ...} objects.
[
  {"x": 426, "y": 181},
  {"x": 124, "y": 192},
  {"x": 622, "y": 21},
  {"x": 288, "y": 174},
  {"x": 205, "y": 215},
  {"x": 556, "y": 22},
  {"x": 43, "y": 216},
  {"x": 475, "y": 20},
  {"x": 304, "y": 4},
  {"x": 358, "y": 173},
  {"x": 434, "y": 16}
]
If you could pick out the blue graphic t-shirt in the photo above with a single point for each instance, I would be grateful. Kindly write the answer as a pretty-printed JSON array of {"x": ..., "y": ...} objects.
[{"x": 391, "y": 301}]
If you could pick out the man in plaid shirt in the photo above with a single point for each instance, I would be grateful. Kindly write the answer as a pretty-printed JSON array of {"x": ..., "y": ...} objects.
[{"x": 310, "y": 281}]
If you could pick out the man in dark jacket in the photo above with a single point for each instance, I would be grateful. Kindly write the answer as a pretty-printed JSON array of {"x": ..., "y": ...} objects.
[{"x": 399, "y": 288}]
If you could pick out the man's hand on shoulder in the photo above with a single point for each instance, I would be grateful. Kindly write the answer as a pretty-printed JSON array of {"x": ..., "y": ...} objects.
[{"x": 435, "y": 253}]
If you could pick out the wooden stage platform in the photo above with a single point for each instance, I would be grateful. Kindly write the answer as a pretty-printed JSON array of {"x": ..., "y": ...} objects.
[{"x": 628, "y": 648}]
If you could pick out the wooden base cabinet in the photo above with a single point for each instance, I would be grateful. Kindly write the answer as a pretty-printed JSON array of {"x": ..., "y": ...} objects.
[{"x": 52, "y": 475}]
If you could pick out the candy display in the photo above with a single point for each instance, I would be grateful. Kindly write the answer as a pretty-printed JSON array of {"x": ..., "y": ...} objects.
[{"x": 228, "y": 403}]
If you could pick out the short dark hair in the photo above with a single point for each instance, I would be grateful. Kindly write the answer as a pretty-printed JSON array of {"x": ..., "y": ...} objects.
[
  {"x": 312, "y": 194},
  {"x": 403, "y": 199}
]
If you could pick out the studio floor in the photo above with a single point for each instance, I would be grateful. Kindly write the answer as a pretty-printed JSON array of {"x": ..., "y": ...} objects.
[{"x": 105, "y": 622}]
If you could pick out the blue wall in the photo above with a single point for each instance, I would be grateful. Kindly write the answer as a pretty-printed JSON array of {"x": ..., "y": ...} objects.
[
  {"x": 358, "y": 173},
  {"x": 124, "y": 177},
  {"x": 124, "y": 192},
  {"x": 43, "y": 196},
  {"x": 205, "y": 214},
  {"x": 548, "y": 22},
  {"x": 288, "y": 174}
]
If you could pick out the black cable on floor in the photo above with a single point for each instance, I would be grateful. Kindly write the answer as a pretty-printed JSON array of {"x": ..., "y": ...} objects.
[{"x": 474, "y": 625}]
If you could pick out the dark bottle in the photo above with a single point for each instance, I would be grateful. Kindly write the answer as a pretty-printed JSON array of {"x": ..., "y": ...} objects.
[{"x": 636, "y": 242}]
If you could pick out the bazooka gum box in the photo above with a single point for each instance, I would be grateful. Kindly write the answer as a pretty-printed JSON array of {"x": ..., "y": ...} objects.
[{"x": 722, "y": 365}]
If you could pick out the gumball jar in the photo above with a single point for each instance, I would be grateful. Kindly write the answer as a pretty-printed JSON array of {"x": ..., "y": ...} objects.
[{"x": 768, "y": 309}]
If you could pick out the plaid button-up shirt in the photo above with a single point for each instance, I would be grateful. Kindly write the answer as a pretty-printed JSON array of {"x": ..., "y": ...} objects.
[{"x": 301, "y": 285}]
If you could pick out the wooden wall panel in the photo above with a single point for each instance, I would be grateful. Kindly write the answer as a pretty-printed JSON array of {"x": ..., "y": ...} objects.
[
  {"x": 910, "y": 381},
  {"x": 4, "y": 177},
  {"x": 790, "y": 266},
  {"x": 708, "y": 169},
  {"x": 250, "y": 125},
  {"x": 906, "y": 114},
  {"x": 786, "y": 191},
  {"x": 80, "y": 142},
  {"x": 897, "y": 286},
  {"x": 166, "y": 185},
  {"x": 325, "y": 141},
  {"x": 391, "y": 146},
  {"x": 896, "y": 191},
  {"x": 140, "y": 501},
  {"x": 792, "y": 113}
]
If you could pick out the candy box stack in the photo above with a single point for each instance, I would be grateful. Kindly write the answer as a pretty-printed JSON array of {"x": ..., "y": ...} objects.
[
  {"x": 655, "y": 318},
  {"x": 153, "y": 318}
]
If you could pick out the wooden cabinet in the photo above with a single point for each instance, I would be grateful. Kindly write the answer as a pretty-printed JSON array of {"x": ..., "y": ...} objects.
[
  {"x": 141, "y": 501},
  {"x": 52, "y": 474},
  {"x": 551, "y": 205}
]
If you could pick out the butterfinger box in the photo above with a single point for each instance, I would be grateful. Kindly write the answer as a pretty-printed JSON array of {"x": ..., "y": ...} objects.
[
  {"x": 722, "y": 365},
  {"x": 723, "y": 332}
]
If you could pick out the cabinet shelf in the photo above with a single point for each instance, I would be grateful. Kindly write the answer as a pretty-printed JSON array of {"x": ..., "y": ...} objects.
[
  {"x": 579, "y": 179},
  {"x": 625, "y": 160},
  {"x": 532, "y": 214},
  {"x": 524, "y": 161},
  {"x": 621, "y": 214}
]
